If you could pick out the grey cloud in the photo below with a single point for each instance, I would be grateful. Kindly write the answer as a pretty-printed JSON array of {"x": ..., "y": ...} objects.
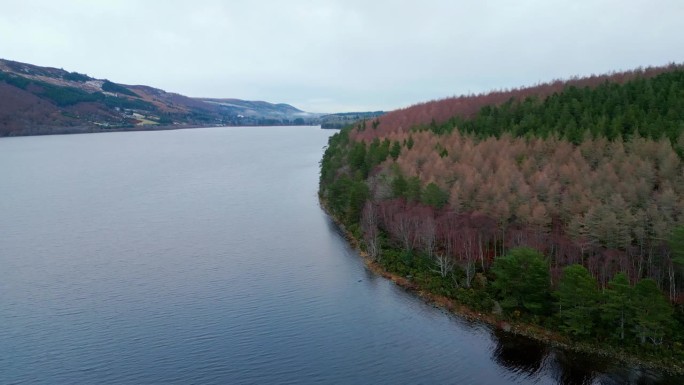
[{"x": 328, "y": 56}]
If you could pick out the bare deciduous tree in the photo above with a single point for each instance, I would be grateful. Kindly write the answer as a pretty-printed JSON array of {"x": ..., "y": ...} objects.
[{"x": 369, "y": 225}]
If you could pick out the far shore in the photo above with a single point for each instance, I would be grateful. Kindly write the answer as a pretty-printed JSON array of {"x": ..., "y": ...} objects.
[{"x": 40, "y": 131}]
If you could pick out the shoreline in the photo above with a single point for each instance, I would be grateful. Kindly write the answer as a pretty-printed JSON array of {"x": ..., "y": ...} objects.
[
  {"x": 96, "y": 130},
  {"x": 531, "y": 331}
]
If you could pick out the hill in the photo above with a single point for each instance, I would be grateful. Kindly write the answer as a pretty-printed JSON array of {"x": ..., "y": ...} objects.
[
  {"x": 44, "y": 100},
  {"x": 467, "y": 106},
  {"x": 341, "y": 120},
  {"x": 577, "y": 186}
]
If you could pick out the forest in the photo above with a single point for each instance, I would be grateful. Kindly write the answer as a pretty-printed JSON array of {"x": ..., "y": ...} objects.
[{"x": 559, "y": 205}]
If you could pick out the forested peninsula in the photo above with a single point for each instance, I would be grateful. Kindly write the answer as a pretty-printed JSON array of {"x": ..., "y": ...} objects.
[{"x": 557, "y": 207}]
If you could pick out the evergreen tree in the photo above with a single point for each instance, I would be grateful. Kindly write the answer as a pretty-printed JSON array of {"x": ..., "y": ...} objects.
[
  {"x": 413, "y": 189},
  {"x": 653, "y": 320},
  {"x": 578, "y": 299},
  {"x": 676, "y": 242},
  {"x": 435, "y": 196},
  {"x": 617, "y": 312},
  {"x": 358, "y": 193},
  {"x": 399, "y": 186},
  {"x": 395, "y": 150},
  {"x": 522, "y": 280},
  {"x": 357, "y": 158}
]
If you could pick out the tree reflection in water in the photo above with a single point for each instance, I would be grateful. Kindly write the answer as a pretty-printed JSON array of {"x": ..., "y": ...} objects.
[
  {"x": 519, "y": 354},
  {"x": 522, "y": 355}
]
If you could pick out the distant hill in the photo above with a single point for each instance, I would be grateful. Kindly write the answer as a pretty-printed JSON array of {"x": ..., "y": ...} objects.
[
  {"x": 341, "y": 120},
  {"x": 43, "y": 100}
]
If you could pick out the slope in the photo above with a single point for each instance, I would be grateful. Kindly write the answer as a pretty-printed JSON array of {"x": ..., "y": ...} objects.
[
  {"x": 589, "y": 177},
  {"x": 44, "y": 100}
]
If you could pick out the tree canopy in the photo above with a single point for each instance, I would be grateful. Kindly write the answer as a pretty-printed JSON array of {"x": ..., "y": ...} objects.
[
  {"x": 575, "y": 195},
  {"x": 578, "y": 298},
  {"x": 522, "y": 280}
]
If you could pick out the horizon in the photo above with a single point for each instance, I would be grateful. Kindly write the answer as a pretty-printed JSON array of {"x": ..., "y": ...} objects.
[{"x": 485, "y": 92}]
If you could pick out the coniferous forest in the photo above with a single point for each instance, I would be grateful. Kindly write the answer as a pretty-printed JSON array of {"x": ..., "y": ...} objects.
[{"x": 559, "y": 205}]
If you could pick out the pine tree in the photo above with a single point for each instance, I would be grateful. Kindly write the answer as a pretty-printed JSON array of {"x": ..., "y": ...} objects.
[
  {"x": 522, "y": 280},
  {"x": 617, "y": 312},
  {"x": 653, "y": 320},
  {"x": 434, "y": 196},
  {"x": 676, "y": 242},
  {"x": 578, "y": 298},
  {"x": 395, "y": 150}
]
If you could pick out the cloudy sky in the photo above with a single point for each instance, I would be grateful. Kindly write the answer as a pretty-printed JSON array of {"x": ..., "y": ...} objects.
[{"x": 341, "y": 55}]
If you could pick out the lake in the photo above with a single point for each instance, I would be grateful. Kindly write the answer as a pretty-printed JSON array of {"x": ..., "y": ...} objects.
[{"x": 202, "y": 256}]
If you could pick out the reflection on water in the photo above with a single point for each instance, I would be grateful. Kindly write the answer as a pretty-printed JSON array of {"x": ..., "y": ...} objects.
[
  {"x": 521, "y": 355},
  {"x": 190, "y": 257},
  {"x": 571, "y": 368}
]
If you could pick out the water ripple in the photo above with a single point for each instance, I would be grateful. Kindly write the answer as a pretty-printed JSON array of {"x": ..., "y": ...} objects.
[{"x": 201, "y": 256}]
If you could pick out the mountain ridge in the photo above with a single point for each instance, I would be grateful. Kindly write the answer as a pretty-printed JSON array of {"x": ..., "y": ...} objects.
[{"x": 46, "y": 100}]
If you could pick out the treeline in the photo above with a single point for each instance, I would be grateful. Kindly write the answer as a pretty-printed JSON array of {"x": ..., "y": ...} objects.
[
  {"x": 647, "y": 107},
  {"x": 342, "y": 120},
  {"x": 116, "y": 88},
  {"x": 69, "y": 96},
  {"x": 468, "y": 106},
  {"x": 76, "y": 77},
  {"x": 454, "y": 206}
]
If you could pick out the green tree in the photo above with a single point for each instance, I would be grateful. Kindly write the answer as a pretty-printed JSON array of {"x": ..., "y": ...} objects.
[
  {"x": 413, "y": 189},
  {"x": 617, "y": 312},
  {"x": 409, "y": 142},
  {"x": 653, "y": 320},
  {"x": 377, "y": 153},
  {"x": 522, "y": 280},
  {"x": 357, "y": 158},
  {"x": 395, "y": 150},
  {"x": 358, "y": 194},
  {"x": 676, "y": 242},
  {"x": 399, "y": 186},
  {"x": 338, "y": 193},
  {"x": 435, "y": 196},
  {"x": 578, "y": 299}
]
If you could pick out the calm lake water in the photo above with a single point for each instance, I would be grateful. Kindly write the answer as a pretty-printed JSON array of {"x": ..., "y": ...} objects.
[{"x": 202, "y": 256}]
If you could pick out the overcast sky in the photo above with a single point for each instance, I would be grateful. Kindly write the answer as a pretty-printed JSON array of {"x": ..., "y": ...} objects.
[{"x": 346, "y": 55}]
